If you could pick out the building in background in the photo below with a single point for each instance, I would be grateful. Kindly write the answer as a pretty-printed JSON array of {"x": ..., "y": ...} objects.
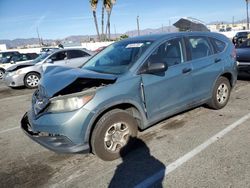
[{"x": 3, "y": 47}]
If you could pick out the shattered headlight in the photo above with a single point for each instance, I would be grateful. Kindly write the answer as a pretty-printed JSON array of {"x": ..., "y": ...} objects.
[{"x": 66, "y": 104}]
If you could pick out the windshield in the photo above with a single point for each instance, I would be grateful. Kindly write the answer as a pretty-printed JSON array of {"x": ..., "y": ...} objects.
[
  {"x": 245, "y": 44},
  {"x": 118, "y": 57},
  {"x": 41, "y": 57}
]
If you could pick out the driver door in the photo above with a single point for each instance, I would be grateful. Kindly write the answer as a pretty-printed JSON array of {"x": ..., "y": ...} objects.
[{"x": 169, "y": 91}]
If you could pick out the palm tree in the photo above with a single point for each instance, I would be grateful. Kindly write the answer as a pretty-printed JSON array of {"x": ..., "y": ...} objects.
[
  {"x": 108, "y": 6},
  {"x": 93, "y": 4}
]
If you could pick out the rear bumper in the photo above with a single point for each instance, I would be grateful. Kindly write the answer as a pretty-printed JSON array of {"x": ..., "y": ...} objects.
[{"x": 54, "y": 142}]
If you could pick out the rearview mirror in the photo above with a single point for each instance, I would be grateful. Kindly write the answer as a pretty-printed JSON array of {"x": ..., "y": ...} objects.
[{"x": 154, "y": 68}]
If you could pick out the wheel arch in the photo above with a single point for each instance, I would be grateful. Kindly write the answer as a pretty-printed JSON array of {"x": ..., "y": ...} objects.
[
  {"x": 30, "y": 73},
  {"x": 229, "y": 76},
  {"x": 2, "y": 69}
]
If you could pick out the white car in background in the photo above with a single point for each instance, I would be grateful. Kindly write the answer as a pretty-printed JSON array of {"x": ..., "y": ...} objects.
[
  {"x": 8, "y": 59},
  {"x": 29, "y": 74}
]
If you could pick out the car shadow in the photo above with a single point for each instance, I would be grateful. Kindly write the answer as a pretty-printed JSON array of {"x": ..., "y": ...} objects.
[
  {"x": 138, "y": 168},
  {"x": 18, "y": 88}
]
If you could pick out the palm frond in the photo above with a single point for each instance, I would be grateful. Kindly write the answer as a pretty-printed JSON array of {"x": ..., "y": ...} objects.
[{"x": 93, "y": 4}]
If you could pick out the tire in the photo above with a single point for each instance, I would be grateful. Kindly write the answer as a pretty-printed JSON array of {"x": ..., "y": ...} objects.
[
  {"x": 221, "y": 94},
  {"x": 31, "y": 80},
  {"x": 1, "y": 73},
  {"x": 113, "y": 133}
]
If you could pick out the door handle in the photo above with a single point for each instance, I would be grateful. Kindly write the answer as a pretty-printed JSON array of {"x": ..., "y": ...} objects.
[
  {"x": 186, "y": 70},
  {"x": 217, "y": 60}
]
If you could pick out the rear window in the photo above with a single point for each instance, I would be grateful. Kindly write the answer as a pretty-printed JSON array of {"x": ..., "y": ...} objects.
[
  {"x": 219, "y": 46},
  {"x": 76, "y": 54},
  {"x": 199, "y": 47}
]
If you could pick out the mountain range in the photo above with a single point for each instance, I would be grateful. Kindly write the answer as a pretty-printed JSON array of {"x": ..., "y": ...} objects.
[{"x": 77, "y": 39}]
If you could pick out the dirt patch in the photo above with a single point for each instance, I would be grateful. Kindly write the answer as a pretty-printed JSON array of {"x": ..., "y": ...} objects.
[
  {"x": 173, "y": 125},
  {"x": 148, "y": 136},
  {"x": 59, "y": 157},
  {"x": 18, "y": 175}
]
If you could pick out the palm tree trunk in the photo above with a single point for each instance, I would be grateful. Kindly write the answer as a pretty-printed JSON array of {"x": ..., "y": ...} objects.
[
  {"x": 96, "y": 25},
  {"x": 109, "y": 25},
  {"x": 102, "y": 36}
]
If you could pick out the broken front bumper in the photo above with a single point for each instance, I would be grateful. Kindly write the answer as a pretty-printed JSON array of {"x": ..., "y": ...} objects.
[{"x": 54, "y": 142}]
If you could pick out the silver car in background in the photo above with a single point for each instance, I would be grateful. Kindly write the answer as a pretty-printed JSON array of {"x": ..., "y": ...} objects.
[{"x": 29, "y": 74}]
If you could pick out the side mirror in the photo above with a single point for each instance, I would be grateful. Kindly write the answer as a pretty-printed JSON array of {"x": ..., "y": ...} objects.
[
  {"x": 12, "y": 62},
  {"x": 49, "y": 61},
  {"x": 155, "y": 68}
]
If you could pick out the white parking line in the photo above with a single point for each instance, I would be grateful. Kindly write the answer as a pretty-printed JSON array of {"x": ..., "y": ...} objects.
[
  {"x": 172, "y": 166},
  {"x": 7, "y": 130}
]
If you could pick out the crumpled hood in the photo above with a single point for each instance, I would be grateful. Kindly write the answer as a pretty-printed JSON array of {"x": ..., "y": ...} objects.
[
  {"x": 57, "y": 78},
  {"x": 19, "y": 66}
]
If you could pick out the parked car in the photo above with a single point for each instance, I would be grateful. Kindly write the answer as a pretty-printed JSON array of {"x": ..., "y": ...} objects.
[
  {"x": 17, "y": 58},
  {"x": 47, "y": 49},
  {"x": 129, "y": 86},
  {"x": 6, "y": 54},
  {"x": 243, "y": 56},
  {"x": 100, "y": 49},
  {"x": 240, "y": 37},
  {"x": 29, "y": 74}
]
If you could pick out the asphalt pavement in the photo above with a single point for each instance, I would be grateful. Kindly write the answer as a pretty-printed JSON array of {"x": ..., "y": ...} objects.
[{"x": 197, "y": 148}]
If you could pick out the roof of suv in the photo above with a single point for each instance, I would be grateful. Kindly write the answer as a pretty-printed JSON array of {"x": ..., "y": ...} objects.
[{"x": 156, "y": 37}]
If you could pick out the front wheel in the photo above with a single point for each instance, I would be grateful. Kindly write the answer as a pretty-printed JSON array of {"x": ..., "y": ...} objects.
[
  {"x": 1, "y": 73},
  {"x": 221, "y": 93},
  {"x": 112, "y": 133},
  {"x": 31, "y": 80}
]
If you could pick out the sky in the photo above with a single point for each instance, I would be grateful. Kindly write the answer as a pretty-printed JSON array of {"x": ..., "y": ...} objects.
[{"x": 57, "y": 19}]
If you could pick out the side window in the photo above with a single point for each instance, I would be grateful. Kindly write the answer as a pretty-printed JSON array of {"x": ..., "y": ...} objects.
[
  {"x": 199, "y": 47},
  {"x": 76, "y": 54},
  {"x": 59, "y": 56},
  {"x": 170, "y": 52},
  {"x": 218, "y": 45}
]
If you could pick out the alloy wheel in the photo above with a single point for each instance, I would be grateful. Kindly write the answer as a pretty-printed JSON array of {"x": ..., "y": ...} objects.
[
  {"x": 116, "y": 136},
  {"x": 32, "y": 80},
  {"x": 222, "y": 93},
  {"x": 1, "y": 74}
]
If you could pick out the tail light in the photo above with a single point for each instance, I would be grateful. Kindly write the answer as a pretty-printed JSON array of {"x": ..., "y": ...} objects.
[{"x": 233, "y": 54}]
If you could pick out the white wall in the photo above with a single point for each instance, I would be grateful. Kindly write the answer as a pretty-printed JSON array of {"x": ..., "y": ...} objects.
[
  {"x": 90, "y": 46},
  {"x": 231, "y": 34},
  {"x": 3, "y": 47},
  {"x": 95, "y": 45}
]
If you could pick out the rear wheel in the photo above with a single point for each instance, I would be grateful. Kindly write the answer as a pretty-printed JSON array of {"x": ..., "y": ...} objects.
[
  {"x": 221, "y": 93},
  {"x": 1, "y": 73},
  {"x": 31, "y": 80},
  {"x": 112, "y": 133}
]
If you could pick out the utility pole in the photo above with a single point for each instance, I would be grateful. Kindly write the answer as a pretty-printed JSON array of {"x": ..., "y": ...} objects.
[
  {"x": 247, "y": 14},
  {"x": 38, "y": 36},
  {"x": 138, "y": 26},
  {"x": 169, "y": 24},
  {"x": 115, "y": 30}
]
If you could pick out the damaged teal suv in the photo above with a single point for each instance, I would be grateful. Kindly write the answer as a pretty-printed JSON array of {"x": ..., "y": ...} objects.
[{"x": 129, "y": 86}]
